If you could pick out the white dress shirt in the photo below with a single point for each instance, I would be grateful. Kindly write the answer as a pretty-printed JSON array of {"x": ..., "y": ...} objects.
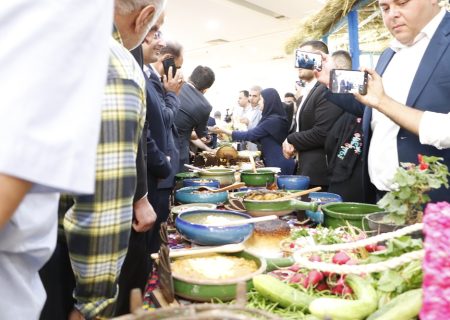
[
  {"x": 306, "y": 90},
  {"x": 434, "y": 129},
  {"x": 397, "y": 79}
]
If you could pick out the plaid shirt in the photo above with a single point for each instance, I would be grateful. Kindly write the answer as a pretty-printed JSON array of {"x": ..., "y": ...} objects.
[{"x": 98, "y": 226}]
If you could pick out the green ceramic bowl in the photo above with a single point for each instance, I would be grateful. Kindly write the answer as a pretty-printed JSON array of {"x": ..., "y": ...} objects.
[
  {"x": 224, "y": 290},
  {"x": 337, "y": 214},
  {"x": 262, "y": 177}
]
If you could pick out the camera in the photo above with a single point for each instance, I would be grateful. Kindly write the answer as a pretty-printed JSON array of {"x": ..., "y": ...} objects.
[
  {"x": 228, "y": 117},
  {"x": 308, "y": 60},
  {"x": 348, "y": 81}
]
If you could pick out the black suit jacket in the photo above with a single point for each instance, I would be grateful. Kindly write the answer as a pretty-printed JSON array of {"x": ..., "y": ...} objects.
[{"x": 317, "y": 115}]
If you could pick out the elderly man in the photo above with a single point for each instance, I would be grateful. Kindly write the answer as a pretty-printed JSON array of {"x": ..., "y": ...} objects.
[
  {"x": 414, "y": 72},
  {"x": 98, "y": 227}
]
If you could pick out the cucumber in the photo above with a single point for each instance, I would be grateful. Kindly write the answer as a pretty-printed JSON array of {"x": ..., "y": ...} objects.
[
  {"x": 343, "y": 309},
  {"x": 403, "y": 307},
  {"x": 277, "y": 291},
  {"x": 276, "y": 263}
]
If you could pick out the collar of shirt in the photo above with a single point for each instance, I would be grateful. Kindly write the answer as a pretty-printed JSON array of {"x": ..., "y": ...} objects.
[
  {"x": 428, "y": 31},
  {"x": 116, "y": 35}
]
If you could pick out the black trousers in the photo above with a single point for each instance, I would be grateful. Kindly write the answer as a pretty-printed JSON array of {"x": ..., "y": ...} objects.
[{"x": 160, "y": 202}]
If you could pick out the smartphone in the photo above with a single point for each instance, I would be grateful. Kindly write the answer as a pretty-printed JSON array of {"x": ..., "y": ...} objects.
[
  {"x": 169, "y": 62},
  {"x": 300, "y": 83},
  {"x": 348, "y": 81},
  {"x": 308, "y": 60}
]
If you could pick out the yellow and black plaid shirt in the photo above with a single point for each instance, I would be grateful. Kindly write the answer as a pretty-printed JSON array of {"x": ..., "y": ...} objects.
[{"x": 97, "y": 227}]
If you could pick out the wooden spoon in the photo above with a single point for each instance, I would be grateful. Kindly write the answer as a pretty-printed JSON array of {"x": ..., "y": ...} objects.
[
  {"x": 298, "y": 194},
  {"x": 245, "y": 221},
  {"x": 235, "y": 247},
  {"x": 195, "y": 168},
  {"x": 235, "y": 185},
  {"x": 252, "y": 161}
]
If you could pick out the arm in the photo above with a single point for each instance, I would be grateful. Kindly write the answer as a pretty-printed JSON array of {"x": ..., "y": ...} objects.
[
  {"x": 429, "y": 126},
  {"x": 158, "y": 163},
  {"x": 252, "y": 135},
  {"x": 12, "y": 191}
]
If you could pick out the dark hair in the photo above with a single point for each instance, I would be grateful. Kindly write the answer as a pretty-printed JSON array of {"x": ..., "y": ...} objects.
[
  {"x": 316, "y": 44},
  {"x": 246, "y": 93},
  {"x": 342, "y": 59},
  {"x": 173, "y": 48},
  {"x": 202, "y": 77},
  {"x": 289, "y": 95}
]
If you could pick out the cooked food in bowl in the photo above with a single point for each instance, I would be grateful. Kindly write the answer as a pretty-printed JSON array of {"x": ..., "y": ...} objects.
[
  {"x": 212, "y": 219},
  {"x": 264, "y": 196},
  {"x": 213, "y": 267}
]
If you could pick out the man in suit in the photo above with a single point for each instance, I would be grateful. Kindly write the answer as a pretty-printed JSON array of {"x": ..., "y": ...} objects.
[
  {"x": 194, "y": 110},
  {"x": 415, "y": 72},
  {"x": 315, "y": 116}
]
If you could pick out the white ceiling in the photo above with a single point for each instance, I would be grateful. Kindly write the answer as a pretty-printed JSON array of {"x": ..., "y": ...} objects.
[{"x": 235, "y": 35}]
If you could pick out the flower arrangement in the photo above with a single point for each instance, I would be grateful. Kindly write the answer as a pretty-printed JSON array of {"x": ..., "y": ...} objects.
[{"x": 405, "y": 202}]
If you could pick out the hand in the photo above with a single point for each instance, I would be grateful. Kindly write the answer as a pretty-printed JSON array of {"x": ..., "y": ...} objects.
[
  {"x": 144, "y": 215},
  {"x": 323, "y": 76},
  {"x": 244, "y": 121},
  {"x": 288, "y": 150},
  {"x": 216, "y": 129},
  {"x": 375, "y": 90},
  {"x": 206, "y": 139},
  {"x": 173, "y": 84}
]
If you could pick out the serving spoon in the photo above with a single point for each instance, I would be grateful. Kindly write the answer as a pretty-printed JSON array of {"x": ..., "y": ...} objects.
[
  {"x": 235, "y": 185},
  {"x": 240, "y": 222},
  {"x": 228, "y": 248},
  {"x": 298, "y": 194},
  {"x": 194, "y": 168}
]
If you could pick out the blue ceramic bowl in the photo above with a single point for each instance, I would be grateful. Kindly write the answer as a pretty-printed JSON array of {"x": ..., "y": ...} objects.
[
  {"x": 212, "y": 235},
  {"x": 189, "y": 195},
  {"x": 201, "y": 182},
  {"x": 321, "y": 198},
  {"x": 292, "y": 182}
]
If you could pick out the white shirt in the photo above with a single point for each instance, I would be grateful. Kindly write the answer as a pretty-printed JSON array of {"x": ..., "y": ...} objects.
[
  {"x": 53, "y": 72},
  {"x": 397, "y": 79},
  {"x": 434, "y": 129},
  {"x": 306, "y": 90}
]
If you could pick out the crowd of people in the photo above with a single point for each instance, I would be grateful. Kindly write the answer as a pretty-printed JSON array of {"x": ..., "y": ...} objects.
[{"x": 98, "y": 149}]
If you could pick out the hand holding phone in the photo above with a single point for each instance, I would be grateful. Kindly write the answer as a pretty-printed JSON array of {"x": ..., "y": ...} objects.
[
  {"x": 348, "y": 81},
  {"x": 308, "y": 60},
  {"x": 167, "y": 63}
]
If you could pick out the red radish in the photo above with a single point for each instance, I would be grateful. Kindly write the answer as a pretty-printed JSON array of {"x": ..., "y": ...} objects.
[
  {"x": 322, "y": 286},
  {"x": 352, "y": 262},
  {"x": 340, "y": 258},
  {"x": 314, "y": 277},
  {"x": 305, "y": 282},
  {"x": 315, "y": 258},
  {"x": 346, "y": 290},
  {"x": 337, "y": 290},
  {"x": 292, "y": 245},
  {"x": 296, "y": 278},
  {"x": 294, "y": 267},
  {"x": 381, "y": 248},
  {"x": 371, "y": 247}
]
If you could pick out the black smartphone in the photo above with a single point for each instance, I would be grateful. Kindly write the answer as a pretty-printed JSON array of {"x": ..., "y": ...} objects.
[
  {"x": 348, "y": 81},
  {"x": 308, "y": 60},
  {"x": 169, "y": 62}
]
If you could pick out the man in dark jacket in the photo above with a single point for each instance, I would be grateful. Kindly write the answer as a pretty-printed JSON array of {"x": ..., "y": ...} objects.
[{"x": 194, "y": 109}]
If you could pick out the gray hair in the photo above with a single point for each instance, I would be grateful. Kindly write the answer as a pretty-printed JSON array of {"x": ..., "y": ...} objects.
[{"x": 127, "y": 6}]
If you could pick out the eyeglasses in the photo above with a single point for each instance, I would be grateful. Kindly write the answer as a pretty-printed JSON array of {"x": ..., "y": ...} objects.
[{"x": 157, "y": 35}]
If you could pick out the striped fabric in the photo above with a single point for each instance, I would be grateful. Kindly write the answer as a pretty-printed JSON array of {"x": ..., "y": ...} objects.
[{"x": 98, "y": 226}]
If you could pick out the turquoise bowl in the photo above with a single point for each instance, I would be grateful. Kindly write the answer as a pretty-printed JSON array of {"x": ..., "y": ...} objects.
[{"x": 188, "y": 195}]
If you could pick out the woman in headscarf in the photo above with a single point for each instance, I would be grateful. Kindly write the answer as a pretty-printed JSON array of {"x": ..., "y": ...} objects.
[{"x": 270, "y": 132}]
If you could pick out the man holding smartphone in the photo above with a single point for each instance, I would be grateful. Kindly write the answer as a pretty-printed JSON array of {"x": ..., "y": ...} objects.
[
  {"x": 415, "y": 73},
  {"x": 315, "y": 116}
]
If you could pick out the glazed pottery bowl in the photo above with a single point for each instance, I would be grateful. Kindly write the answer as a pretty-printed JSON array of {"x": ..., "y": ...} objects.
[
  {"x": 339, "y": 214},
  {"x": 212, "y": 235},
  {"x": 176, "y": 210},
  {"x": 224, "y": 290},
  {"x": 196, "y": 182},
  {"x": 262, "y": 177},
  {"x": 192, "y": 195},
  {"x": 321, "y": 198},
  {"x": 224, "y": 175},
  {"x": 179, "y": 177},
  {"x": 292, "y": 182}
]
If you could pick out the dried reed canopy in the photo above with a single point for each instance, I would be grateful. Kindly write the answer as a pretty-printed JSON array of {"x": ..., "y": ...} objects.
[{"x": 373, "y": 35}]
